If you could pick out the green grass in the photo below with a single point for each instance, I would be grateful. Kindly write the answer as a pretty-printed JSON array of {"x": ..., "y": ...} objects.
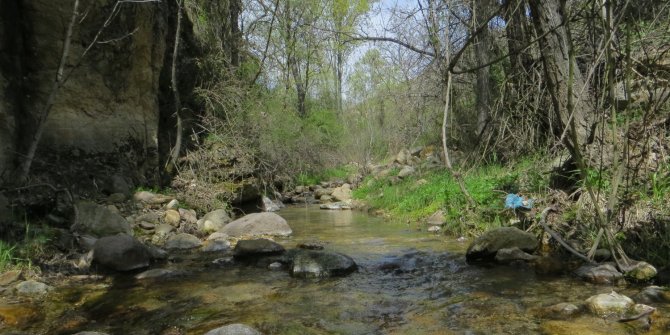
[
  {"x": 8, "y": 257},
  {"x": 340, "y": 172},
  {"x": 413, "y": 200}
]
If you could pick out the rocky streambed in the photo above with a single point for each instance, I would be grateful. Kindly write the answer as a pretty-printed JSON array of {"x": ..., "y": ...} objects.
[{"x": 338, "y": 272}]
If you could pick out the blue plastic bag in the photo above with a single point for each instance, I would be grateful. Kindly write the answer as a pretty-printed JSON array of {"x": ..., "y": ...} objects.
[{"x": 514, "y": 201}]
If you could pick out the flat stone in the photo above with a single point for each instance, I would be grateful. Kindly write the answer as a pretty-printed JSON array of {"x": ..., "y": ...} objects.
[
  {"x": 146, "y": 225},
  {"x": 32, "y": 288},
  {"x": 163, "y": 229},
  {"x": 599, "y": 274},
  {"x": 258, "y": 247},
  {"x": 183, "y": 241},
  {"x": 508, "y": 255},
  {"x": 234, "y": 329},
  {"x": 188, "y": 215},
  {"x": 562, "y": 310},
  {"x": 258, "y": 224},
  {"x": 151, "y": 198},
  {"x": 157, "y": 273},
  {"x": 653, "y": 294}
]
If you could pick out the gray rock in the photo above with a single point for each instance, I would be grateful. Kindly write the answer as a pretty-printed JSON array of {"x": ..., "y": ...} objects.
[
  {"x": 561, "y": 311},
  {"x": 406, "y": 171},
  {"x": 215, "y": 245},
  {"x": 269, "y": 205},
  {"x": 336, "y": 206},
  {"x": 121, "y": 253},
  {"x": 258, "y": 247},
  {"x": 436, "y": 229},
  {"x": 90, "y": 333},
  {"x": 172, "y": 204},
  {"x": 486, "y": 246},
  {"x": 325, "y": 198},
  {"x": 276, "y": 266},
  {"x": 609, "y": 304},
  {"x": 599, "y": 274},
  {"x": 234, "y": 329},
  {"x": 258, "y": 224},
  {"x": 320, "y": 264},
  {"x": 151, "y": 198},
  {"x": 32, "y": 288},
  {"x": 157, "y": 274},
  {"x": 403, "y": 156},
  {"x": 189, "y": 215},
  {"x": 99, "y": 221},
  {"x": 653, "y": 294},
  {"x": 119, "y": 184},
  {"x": 151, "y": 217},
  {"x": 157, "y": 253},
  {"x": 342, "y": 193},
  {"x": 217, "y": 220},
  {"x": 116, "y": 198},
  {"x": 508, "y": 255},
  {"x": 163, "y": 229},
  {"x": 323, "y": 191},
  {"x": 146, "y": 225},
  {"x": 183, "y": 241}
]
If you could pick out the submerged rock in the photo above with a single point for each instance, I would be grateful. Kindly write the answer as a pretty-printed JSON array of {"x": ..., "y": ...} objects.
[
  {"x": 18, "y": 315},
  {"x": 157, "y": 274},
  {"x": 32, "y": 288},
  {"x": 561, "y": 311},
  {"x": 258, "y": 247},
  {"x": 653, "y": 294},
  {"x": 320, "y": 264},
  {"x": 121, "y": 253},
  {"x": 336, "y": 206},
  {"x": 599, "y": 274},
  {"x": 609, "y": 304},
  {"x": 234, "y": 329},
  {"x": 486, "y": 246},
  {"x": 258, "y": 224}
]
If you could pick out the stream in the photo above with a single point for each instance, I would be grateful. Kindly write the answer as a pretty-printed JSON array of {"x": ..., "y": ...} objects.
[{"x": 408, "y": 282}]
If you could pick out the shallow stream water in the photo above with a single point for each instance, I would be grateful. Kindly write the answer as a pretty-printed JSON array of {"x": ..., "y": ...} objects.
[{"x": 408, "y": 282}]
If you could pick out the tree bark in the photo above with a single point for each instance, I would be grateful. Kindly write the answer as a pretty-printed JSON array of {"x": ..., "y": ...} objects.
[
  {"x": 564, "y": 80},
  {"x": 483, "y": 47}
]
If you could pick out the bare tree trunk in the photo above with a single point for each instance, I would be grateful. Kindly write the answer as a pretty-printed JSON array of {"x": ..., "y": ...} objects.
[
  {"x": 176, "y": 150},
  {"x": 483, "y": 48},
  {"x": 549, "y": 18}
]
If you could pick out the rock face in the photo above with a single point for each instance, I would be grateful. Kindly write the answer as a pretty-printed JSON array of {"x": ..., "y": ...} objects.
[
  {"x": 121, "y": 253},
  {"x": 99, "y": 221},
  {"x": 485, "y": 247},
  {"x": 319, "y": 264},
  {"x": 258, "y": 224}
]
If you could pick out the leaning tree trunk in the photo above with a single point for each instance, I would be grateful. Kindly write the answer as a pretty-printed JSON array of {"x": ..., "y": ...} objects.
[
  {"x": 564, "y": 87},
  {"x": 483, "y": 96}
]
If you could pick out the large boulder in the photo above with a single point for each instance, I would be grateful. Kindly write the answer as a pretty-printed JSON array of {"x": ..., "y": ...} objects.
[
  {"x": 258, "y": 224},
  {"x": 258, "y": 247},
  {"x": 98, "y": 221},
  {"x": 234, "y": 329},
  {"x": 121, "y": 253},
  {"x": 486, "y": 246},
  {"x": 320, "y": 264}
]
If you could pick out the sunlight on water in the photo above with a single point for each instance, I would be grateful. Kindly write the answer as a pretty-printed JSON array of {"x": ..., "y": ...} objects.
[{"x": 408, "y": 282}]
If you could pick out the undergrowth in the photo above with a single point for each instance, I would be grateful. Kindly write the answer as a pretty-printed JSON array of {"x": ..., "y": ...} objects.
[{"x": 417, "y": 198}]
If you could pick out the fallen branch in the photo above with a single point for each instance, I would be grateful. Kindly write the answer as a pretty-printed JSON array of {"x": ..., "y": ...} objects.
[{"x": 543, "y": 223}]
